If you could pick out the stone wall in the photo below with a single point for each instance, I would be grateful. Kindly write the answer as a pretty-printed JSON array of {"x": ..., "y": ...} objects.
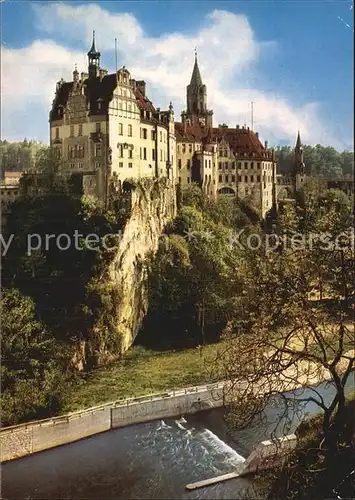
[{"x": 24, "y": 439}]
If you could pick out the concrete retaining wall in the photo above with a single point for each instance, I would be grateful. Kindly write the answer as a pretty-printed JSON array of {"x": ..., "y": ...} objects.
[
  {"x": 267, "y": 453},
  {"x": 24, "y": 439}
]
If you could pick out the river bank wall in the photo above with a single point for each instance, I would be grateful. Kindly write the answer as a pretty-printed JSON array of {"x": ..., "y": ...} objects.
[{"x": 25, "y": 439}]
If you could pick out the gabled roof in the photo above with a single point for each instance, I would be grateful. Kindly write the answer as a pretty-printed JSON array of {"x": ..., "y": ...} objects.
[{"x": 95, "y": 90}]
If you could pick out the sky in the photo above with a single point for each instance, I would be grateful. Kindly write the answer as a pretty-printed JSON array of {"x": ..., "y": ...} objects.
[{"x": 292, "y": 58}]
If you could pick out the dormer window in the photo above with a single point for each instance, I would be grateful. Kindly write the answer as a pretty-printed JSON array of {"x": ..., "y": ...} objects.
[{"x": 99, "y": 104}]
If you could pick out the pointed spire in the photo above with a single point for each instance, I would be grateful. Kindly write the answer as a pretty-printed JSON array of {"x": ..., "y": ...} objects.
[
  {"x": 298, "y": 142},
  {"x": 93, "y": 51},
  {"x": 196, "y": 79}
]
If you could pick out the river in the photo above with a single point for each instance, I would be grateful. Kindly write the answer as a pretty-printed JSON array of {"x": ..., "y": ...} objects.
[{"x": 151, "y": 460}]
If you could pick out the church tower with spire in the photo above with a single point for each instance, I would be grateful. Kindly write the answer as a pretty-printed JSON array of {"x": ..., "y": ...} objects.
[
  {"x": 196, "y": 101},
  {"x": 299, "y": 168}
]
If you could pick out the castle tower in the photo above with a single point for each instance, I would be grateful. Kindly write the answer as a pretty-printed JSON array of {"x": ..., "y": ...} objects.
[
  {"x": 196, "y": 100},
  {"x": 93, "y": 59},
  {"x": 299, "y": 168}
]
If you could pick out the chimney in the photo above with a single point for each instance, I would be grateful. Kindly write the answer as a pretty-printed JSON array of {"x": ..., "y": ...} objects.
[
  {"x": 237, "y": 127},
  {"x": 141, "y": 86},
  {"x": 266, "y": 144},
  {"x": 257, "y": 135}
]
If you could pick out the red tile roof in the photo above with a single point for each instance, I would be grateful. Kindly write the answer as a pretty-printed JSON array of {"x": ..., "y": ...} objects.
[{"x": 243, "y": 141}]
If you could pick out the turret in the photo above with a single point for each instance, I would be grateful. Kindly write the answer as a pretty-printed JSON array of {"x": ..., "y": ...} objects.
[{"x": 93, "y": 59}]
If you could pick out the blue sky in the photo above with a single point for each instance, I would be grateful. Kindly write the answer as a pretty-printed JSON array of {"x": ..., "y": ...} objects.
[{"x": 293, "y": 59}]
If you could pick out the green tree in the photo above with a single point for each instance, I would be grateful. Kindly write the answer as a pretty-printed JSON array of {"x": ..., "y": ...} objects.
[{"x": 31, "y": 370}]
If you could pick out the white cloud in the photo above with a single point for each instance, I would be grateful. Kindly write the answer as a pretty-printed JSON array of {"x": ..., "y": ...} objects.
[
  {"x": 228, "y": 56},
  {"x": 29, "y": 76}
]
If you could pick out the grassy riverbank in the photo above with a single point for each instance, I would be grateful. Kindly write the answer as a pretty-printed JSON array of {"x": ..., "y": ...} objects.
[{"x": 142, "y": 372}]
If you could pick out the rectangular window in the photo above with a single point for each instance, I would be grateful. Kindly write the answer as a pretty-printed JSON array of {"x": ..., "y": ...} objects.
[
  {"x": 57, "y": 133},
  {"x": 178, "y": 148},
  {"x": 161, "y": 155},
  {"x": 130, "y": 153},
  {"x": 72, "y": 165},
  {"x": 246, "y": 164},
  {"x": 97, "y": 149},
  {"x": 98, "y": 127},
  {"x": 233, "y": 178},
  {"x": 190, "y": 148},
  {"x": 140, "y": 153},
  {"x": 120, "y": 129},
  {"x": 219, "y": 178},
  {"x": 188, "y": 164},
  {"x": 209, "y": 163},
  {"x": 144, "y": 153},
  {"x": 71, "y": 130},
  {"x": 80, "y": 165},
  {"x": 71, "y": 152},
  {"x": 129, "y": 130},
  {"x": 188, "y": 180},
  {"x": 239, "y": 164},
  {"x": 81, "y": 151},
  {"x": 251, "y": 178},
  {"x": 153, "y": 154},
  {"x": 239, "y": 178},
  {"x": 143, "y": 133},
  {"x": 179, "y": 163},
  {"x": 161, "y": 136},
  {"x": 179, "y": 180},
  {"x": 246, "y": 178},
  {"x": 80, "y": 132},
  {"x": 226, "y": 178},
  {"x": 220, "y": 165},
  {"x": 120, "y": 164},
  {"x": 252, "y": 164},
  {"x": 97, "y": 164},
  {"x": 120, "y": 151},
  {"x": 258, "y": 178},
  {"x": 153, "y": 136},
  {"x": 258, "y": 164},
  {"x": 130, "y": 165},
  {"x": 184, "y": 148}
]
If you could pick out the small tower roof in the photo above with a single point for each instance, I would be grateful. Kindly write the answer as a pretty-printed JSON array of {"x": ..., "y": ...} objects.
[
  {"x": 196, "y": 79},
  {"x": 93, "y": 51}
]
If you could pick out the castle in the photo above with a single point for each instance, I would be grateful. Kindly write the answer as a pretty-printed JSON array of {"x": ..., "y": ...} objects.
[{"x": 105, "y": 130}]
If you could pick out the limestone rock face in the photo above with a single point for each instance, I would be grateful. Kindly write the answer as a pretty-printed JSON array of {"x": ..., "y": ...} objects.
[{"x": 153, "y": 204}]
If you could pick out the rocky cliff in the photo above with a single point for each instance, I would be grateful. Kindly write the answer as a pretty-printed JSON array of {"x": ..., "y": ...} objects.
[{"x": 153, "y": 204}]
